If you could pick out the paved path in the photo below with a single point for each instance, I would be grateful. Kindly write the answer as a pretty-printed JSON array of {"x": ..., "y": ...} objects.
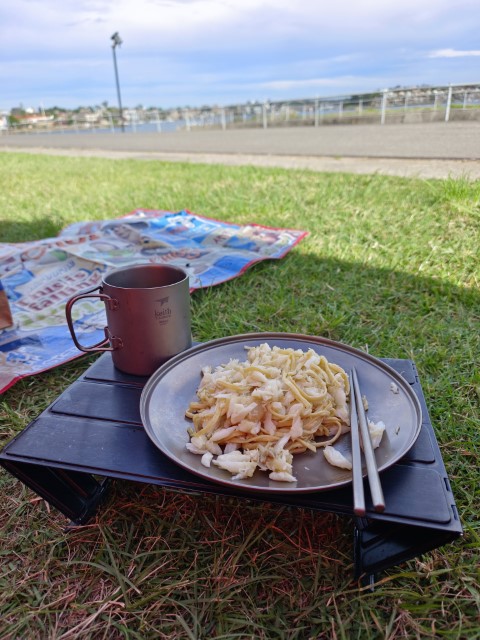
[{"x": 421, "y": 150}]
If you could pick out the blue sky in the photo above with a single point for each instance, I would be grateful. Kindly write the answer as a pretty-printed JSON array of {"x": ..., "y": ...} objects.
[{"x": 195, "y": 52}]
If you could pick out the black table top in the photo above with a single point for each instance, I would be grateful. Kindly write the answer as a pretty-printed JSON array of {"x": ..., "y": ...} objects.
[{"x": 94, "y": 427}]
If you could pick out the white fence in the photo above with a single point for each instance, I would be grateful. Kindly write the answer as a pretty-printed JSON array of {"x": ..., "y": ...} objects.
[
  {"x": 402, "y": 105},
  {"x": 388, "y": 106}
]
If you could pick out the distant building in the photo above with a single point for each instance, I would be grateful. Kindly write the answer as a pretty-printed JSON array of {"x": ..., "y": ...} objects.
[{"x": 30, "y": 119}]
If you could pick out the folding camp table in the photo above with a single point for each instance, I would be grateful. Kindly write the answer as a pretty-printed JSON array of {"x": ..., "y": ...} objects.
[{"x": 92, "y": 433}]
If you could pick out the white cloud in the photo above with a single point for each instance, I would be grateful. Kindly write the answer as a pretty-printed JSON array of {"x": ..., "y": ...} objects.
[
  {"x": 196, "y": 51},
  {"x": 311, "y": 83},
  {"x": 211, "y": 24},
  {"x": 453, "y": 53}
]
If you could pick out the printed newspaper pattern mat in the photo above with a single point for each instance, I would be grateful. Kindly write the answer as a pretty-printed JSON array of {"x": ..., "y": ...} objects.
[{"x": 39, "y": 277}]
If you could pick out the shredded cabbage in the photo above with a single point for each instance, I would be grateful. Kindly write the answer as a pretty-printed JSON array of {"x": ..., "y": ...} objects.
[{"x": 258, "y": 413}]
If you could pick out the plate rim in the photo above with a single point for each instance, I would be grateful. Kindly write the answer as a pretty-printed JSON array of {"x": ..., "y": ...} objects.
[{"x": 265, "y": 336}]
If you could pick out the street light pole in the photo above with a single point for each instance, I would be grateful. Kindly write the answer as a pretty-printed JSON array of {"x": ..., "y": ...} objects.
[{"x": 117, "y": 42}]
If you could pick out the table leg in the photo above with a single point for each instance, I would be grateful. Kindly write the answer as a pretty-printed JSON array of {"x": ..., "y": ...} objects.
[
  {"x": 381, "y": 545},
  {"x": 76, "y": 495}
]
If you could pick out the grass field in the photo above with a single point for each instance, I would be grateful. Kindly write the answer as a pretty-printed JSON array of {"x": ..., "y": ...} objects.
[{"x": 390, "y": 266}]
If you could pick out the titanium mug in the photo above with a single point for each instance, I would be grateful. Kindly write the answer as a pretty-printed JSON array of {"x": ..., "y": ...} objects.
[{"x": 148, "y": 316}]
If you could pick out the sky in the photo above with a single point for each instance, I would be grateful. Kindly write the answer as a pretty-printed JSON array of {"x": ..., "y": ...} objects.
[{"x": 189, "y": 53}]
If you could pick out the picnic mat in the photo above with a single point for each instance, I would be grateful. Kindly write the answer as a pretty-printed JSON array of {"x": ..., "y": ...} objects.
[{"x": 39, "y": 277}]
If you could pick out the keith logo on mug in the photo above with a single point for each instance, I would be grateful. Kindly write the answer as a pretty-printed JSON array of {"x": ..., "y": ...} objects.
[{"x": 163, "y": 315}]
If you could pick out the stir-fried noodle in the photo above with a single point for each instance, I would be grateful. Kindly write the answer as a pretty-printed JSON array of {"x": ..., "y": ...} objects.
[{"x": 258, "y": 413}]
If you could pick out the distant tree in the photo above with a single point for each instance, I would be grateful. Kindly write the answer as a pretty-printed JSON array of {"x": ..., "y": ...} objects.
[
  {"x": 365, "y": 96},
  {"x": 17, "y": 111},
  {"x": 51, "y": 111}
]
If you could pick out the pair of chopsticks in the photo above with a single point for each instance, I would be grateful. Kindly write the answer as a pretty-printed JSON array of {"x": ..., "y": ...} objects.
[{"x": 359, "y": 429}]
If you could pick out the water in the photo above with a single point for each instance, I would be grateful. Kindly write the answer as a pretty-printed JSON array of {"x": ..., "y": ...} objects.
[{"x": 140, "y": 127}]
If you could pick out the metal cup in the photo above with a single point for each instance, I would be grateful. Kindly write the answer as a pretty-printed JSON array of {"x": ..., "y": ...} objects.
[{"x": 148, "y": 316}]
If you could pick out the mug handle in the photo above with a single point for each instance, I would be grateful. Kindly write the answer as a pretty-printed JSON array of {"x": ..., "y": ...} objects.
[{"x": 111, "y": 303}]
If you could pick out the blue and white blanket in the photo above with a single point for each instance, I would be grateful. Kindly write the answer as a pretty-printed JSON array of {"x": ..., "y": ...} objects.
[{"x": 40, "y": 276}]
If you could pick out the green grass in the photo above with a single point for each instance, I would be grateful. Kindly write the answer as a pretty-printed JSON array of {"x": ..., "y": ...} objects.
[{"x": 390, "y": 266}]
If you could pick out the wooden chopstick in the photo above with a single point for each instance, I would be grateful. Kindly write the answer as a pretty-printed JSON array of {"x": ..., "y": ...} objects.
[
  {"x": 372, "y": 471},
  {"x": 357, "y": 475}
]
